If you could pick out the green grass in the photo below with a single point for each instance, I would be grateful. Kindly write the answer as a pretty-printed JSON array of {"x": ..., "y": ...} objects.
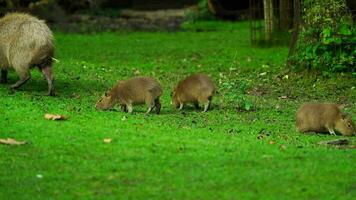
[{"x": 175, "y": 155}]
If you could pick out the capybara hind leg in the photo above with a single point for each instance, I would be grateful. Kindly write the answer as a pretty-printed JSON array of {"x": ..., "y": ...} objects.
[
  {"x": 24, "y": 77},
  {"x": 129, "y": 108},
  {"x": 158, "y": 106},
  {"x": 3, "y": 78},
  {"x": 47, "y": 72},
  {"x": 124, "y": 108}
]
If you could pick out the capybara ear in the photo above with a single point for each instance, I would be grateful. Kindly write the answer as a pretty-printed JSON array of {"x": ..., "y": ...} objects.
[
  {"x": 344, "y": 116},
  {"x": 106, "y": 93}
]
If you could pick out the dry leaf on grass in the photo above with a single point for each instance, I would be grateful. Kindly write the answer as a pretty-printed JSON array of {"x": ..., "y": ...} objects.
[
  {"x": 271, "y": 142},
  {"x": 10, "y": 141},
  {"x": 54, "y": 117},
  {"x": 107, "y": 140},
  {"x": 282, "y": 147}
]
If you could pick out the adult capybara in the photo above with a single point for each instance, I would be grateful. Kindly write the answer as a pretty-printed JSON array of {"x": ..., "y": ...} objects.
[{"x": 25, "y": 42}]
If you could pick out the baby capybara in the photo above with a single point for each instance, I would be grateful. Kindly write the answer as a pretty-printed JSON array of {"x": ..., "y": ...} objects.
[
  {"x": 321, "y": 117},
  {"x": 196, "y": 88},
  {"x": 138, "y": 90},
  {"x": 25, "y": 42}
]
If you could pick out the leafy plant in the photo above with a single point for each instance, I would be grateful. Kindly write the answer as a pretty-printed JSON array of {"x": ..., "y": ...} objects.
[
  {"x": 235, "y": 93},
  {"x": 327, "y": 39}
]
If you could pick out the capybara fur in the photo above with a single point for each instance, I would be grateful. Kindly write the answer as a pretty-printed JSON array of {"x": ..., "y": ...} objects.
[
  {"x": 135, "y": 91},
  {"x": 322, "y": 117},
  {"x": 25, "y": 42},
  {"x": 196, "y": 89}
]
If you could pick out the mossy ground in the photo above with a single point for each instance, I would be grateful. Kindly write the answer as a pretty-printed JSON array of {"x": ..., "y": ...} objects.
[{"x": 175, "y": 155}]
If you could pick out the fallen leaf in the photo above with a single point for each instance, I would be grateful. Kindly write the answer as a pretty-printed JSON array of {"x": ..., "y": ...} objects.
[
  {"x": 54, "y": 117},
  {"x": 282, "y": 147},
  {"x": 107, "y": 140},
  {"x": 271, "y": 142},
  {"x": 10, "y": 141},
  {"x": 283, "y": 97},
  {"x": 123, "y": 118}
]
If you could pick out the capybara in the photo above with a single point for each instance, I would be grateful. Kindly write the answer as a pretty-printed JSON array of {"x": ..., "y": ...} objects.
[
  {"x": 25, "y": 42},
  {"x": 322, "y": 117},
  {"x": 135, "y": 91},
  {"x": 196, "y": 88}
]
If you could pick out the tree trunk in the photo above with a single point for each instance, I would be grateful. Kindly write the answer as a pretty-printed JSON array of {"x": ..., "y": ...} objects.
[
  {"x": 268, "y": 15},
  {"x": 285, "y": 10}
]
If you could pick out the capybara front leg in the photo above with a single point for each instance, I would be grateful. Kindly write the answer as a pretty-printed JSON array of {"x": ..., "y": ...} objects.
[
  {"x": 158, "y": 106},
  {"x": 330, "y": 129},
  {"x": 47, "y": 72},
  {"x": 206, "y": 106}
]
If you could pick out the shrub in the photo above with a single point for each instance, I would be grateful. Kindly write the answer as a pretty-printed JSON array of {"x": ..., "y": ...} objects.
[{"x": 327, "y": 38}]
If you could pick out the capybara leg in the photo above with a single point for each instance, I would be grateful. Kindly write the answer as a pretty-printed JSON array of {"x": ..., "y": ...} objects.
[
  {"x": 196, "y": 105},
  {"x": 129, "y": 108},
  {"x": 150, "y": 103},
  {"x": 206, "y": 106},
  {"x": 158, "y": 106},
  {"x": 180, "y": 106},
  {"x": 47, "y": 72},
  {"x": 149, "y": 110},
  {"x": 124, "y": 108},
  {"x": 23, "y": 79},
  {"x": 3, "y": 78},
  {"x": 331, "y": 130}
]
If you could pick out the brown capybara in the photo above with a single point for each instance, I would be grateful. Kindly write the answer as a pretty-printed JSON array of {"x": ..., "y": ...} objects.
[
  {"x": 25, "y": 42},
  {"x": 196, "y": 88},
  {"x": 322, "y": 117},
  {"x": 135, "y": 91}
]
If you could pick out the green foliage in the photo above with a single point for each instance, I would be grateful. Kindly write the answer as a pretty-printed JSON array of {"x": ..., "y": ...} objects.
[
  {"x": 327, "y": 39},
  {"x": 235, "y": 92},
  {"x": 201, "y": 13}
]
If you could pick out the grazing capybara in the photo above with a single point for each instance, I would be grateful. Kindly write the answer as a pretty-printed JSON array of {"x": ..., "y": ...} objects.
[
  {"x": 196, "y": 88},
  {"x": 322, "y": 117},
  {"x": 135, "y": 91},
  {"x": 25, "y": 42}
]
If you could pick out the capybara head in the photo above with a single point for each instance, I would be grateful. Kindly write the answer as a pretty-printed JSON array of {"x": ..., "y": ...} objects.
[
  {"x": 345, "y": 125},
  {"x": 105, "y": 102}
]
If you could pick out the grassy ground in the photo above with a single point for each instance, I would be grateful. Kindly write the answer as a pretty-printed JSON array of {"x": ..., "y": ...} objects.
[{"x": 175, "y": 155}]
